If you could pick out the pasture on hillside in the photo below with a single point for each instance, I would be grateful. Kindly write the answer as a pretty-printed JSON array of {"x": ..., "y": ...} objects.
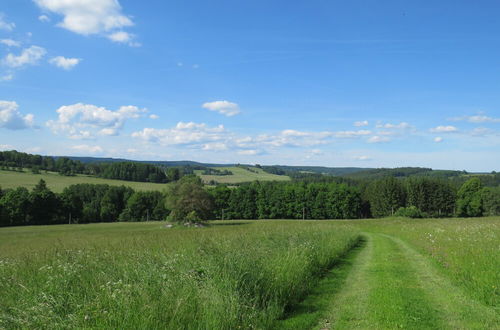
[
  {"x": 57, "y": 182},
  {"x": 389, "y": 273},
  {"x": 240, "y": 175}
]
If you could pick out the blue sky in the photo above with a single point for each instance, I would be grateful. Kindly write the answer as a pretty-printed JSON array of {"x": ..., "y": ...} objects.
[{"x": 332, "y": 83}]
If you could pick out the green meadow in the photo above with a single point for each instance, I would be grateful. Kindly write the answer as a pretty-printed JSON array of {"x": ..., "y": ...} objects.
[
  {"x": 241, "y": 174},
  {"x": 380, "y": 274},
  {"x": 57, "y": 182}
]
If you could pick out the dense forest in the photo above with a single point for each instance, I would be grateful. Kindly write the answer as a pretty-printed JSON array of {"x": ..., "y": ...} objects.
[{"x": 189, "y": 200}]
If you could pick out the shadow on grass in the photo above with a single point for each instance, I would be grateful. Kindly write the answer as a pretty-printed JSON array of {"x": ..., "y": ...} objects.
[{"x": 307, "y": 313}]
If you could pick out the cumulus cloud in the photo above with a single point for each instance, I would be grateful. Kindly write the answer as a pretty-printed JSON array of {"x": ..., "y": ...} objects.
[
  {"x": 90, "y": 17},
  {"x": 66, "y": 63},
  {"x": 4, "y": 25},
  {"x": 10, "y": 43},
  {"x": 87, "y": 149},
  {"x": 28, "y": 56},
  {"x": 223, "y": 107},
  {"x": 438, "y": 139},
  {"x": 362, "y": 158},
  {"x": 153, "y": 116},
  {"x": 378, "y": 139},
  {"x": 361, "y": 123},
  {"x": 189, "y": 133},
  {"x": 11, "y": 118},
  {"x": 84, "y": 121},
  {"x": 44, "y": 18},
  {"x": 444, "y": 129}
]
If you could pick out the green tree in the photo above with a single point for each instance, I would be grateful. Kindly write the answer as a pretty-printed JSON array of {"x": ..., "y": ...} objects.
[
  {"x": 14, "y": 206},
  {"x": 491, "y": 201},
  {"x": 44, "y": 205},
  {"x": 187, "y": 197},
  {"x": 386, "y": 196},
  {"x": 469, "y": 201}
]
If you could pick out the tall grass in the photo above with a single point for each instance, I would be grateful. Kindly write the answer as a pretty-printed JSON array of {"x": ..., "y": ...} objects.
[
  {"x": 223, "y": 277},
  {"x": 468, "y": 250}
]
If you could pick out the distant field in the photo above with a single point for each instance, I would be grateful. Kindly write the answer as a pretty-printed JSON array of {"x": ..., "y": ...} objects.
[
  {"x": 242, "y": 175},
  {"x": 56, "y": 182}
]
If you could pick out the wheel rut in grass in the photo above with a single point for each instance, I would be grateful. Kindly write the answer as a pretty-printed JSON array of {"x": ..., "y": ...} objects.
[{"x": 390, "y": 285}]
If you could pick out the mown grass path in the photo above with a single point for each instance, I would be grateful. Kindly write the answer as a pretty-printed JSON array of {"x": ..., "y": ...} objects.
[{"x": 392, "y": 286}]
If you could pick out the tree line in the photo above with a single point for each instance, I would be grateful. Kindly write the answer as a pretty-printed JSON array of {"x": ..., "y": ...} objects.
[
  {"x": 187, "y": 200},
  {"x": 128, "y": 171}
]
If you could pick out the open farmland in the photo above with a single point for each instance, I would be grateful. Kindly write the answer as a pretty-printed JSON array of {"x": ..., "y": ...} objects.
[
  {"x": 391, "y": 273},
  {"x": 241, "y": 174},
  {"x": 57, "y": 182}
]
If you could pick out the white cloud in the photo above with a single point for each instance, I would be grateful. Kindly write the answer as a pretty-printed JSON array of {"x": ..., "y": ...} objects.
[
  {"x": 438, "y": 139},
  {"x": 290, "y": 138},
  {"x": 28, "y": 56},
  {"x": 153, "y": 116},
  {"x": 482, "y": 131},
  {"x": 44, "y": 18},
  {"x": 4, "y": 25},
  {"x": 362, "y": 158},
  {"x": 120, "y": 36},
  {"x": 11, "y": 118},
  {"x": 197, "y": 134},
  {"x": 84, "y": 121},
  {"x": 361, "y": 123},
  {"x": 10, "y": 43},
  {"x": 352, "y": 134},
  {"x": 4, "y": 147},
  {"x": 215, "y": 146},
  {"x": 249, "y": 152},
  {"x": 83, "y": 148},
  {"x": 88, "y": 17},
  {"x": 477, "y": 119},
  {"x": 66, "y": 63},
  {"x": 378, "y": 139},
  {"x": 444, "y": 129},
  {"x": 223, "y": 107},
  {"x": 401, "y": 125}
]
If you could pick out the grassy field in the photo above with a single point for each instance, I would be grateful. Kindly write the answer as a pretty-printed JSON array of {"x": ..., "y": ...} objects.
[
  {"x": 56, "y": 182},
  {"x": 390, "y": 273},
  {"x": 242, "y": 175}
]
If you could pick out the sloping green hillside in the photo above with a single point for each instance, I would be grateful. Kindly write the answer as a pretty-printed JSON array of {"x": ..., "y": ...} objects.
[
  {"x": 241, "y": 174},
  {"x": 57, "y": 182}
]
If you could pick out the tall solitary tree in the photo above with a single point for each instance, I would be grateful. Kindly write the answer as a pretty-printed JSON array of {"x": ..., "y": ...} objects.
[{"x": 188, "y": 201}]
